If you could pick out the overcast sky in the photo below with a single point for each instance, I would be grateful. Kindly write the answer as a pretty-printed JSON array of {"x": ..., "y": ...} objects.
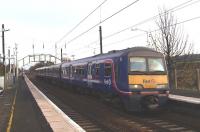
[{"x": 47, "y": 21}]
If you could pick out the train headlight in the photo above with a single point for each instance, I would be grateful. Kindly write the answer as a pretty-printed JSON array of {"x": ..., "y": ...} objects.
[
  {"x": 161, "y": 86},
  {"x": 135, "y": 86}
]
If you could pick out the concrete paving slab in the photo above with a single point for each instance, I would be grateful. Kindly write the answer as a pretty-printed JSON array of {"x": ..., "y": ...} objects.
[{"x": 65, "y": 124}]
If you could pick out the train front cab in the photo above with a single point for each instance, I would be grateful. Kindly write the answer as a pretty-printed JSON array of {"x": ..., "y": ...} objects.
[{"x": 147, "y": 82}]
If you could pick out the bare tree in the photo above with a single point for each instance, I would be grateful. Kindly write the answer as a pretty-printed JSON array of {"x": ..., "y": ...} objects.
[{"x": 170, "y": 39}]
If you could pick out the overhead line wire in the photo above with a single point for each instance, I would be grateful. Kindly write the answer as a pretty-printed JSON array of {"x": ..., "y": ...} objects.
[
  {"x": 151, "y": 18},
  {"x": 102, "y": 21},
  {"x": 120, "y": 11},
  {"x": 144, "y": 21},
  {"x": 92, "y": 43},
  {"x": 191, "y": 19},
  {"x": 81, "y": 22},
  {"x": 185, "y": 4}
]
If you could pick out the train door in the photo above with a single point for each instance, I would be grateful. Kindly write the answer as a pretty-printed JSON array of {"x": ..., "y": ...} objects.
[
  {"x": 108, "y": 76},
  {"x": 89, "y": 75}
]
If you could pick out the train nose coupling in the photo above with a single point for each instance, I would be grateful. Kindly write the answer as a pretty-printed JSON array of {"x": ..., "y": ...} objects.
[{"x": 150, "y": 102}]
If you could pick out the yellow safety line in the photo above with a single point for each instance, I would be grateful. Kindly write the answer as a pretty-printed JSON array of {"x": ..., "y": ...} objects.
[{"x": 11, "y": 113}]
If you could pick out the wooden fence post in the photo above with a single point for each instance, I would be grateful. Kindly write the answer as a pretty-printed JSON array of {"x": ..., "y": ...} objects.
[
  {"x": 175, "y": 78},
  {"x": 198, "y": 79}
]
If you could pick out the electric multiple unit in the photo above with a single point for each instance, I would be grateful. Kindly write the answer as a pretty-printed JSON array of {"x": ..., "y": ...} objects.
[{"x": 137, "y": 76}]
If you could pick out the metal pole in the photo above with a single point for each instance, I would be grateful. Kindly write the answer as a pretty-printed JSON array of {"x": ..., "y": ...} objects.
[
  {"x": 43, "y": 47},
  {"x": 100, "y": 35},
  {"x": 3, "y": 49},
  {"x": 55, "y": 50},
  {"x": 45, "y": 58},
  {"x": 147, "y": 38},
  {"x": 33, "y": 48},
  {"x": 3, "y": 45},
  {"x": 61, "y": 55},
  {"x": 175, "y": 78},
  {"x": 9, "y": 60},
  {"x": 16, "y": 62},
  {"x": 39, "y": 57},
  {"x": 29, "y": 59}
]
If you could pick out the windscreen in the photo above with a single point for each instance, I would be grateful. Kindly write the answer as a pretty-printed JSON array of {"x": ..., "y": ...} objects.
[
  {"x": 156, "y": 64},
  {"x": 137, "y": 64},
  {"x": 143, "y": 64}
]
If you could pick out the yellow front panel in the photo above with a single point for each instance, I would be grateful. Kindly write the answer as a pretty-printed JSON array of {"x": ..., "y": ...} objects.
[{"x": 148, "y": 81}]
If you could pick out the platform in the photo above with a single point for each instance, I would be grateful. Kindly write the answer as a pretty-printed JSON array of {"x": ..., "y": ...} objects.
[
  {"x": 191, "y": 100},
  {"x": 56, "y": 118},
  {"x": 187, "y": 96},
  {"x": 19, "y": 111},
  {"x": 25, "y": 109},
  {"x": 6, "y": 99}
]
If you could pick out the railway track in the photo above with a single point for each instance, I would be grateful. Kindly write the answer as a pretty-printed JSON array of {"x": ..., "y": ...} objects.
[{"x": 94, "y": 115}]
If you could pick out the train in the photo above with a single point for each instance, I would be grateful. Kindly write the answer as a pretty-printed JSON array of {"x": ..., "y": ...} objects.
[{"x": 136, "y": 76}]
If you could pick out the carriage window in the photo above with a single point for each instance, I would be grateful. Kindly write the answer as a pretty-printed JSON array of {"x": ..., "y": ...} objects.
[
  {"x": 73, "y": 71},
  {"x": 77, "y": 70},
  {"x": 156, "y": 64},
  {"x": 137, "y": 64},
  {"x": 82, "y": 70},
  {"x": 108, "y": 70},
  {"x": 97, "y": 69}
]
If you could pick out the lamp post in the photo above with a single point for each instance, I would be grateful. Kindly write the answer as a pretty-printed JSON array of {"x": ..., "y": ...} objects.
[
  {"x": 147, "y": 33},
  {"x": 3, "y": 50},
  {"x": 16, "y": 61}
]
